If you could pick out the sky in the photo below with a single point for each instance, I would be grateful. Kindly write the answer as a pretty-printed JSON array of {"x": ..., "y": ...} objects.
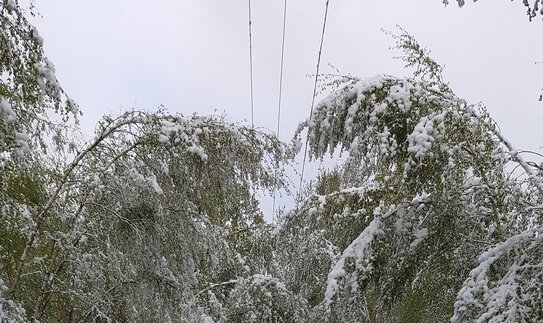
[{"x": 193, "y": 55}]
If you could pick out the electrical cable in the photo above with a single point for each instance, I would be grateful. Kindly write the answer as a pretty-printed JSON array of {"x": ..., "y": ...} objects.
[
  {"x": 279, "y": 101},
  {"x": 313, "y": 101},
  {"x": 251, "y": 68}
]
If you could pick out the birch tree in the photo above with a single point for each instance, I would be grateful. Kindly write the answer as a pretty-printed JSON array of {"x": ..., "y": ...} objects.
[{"x": 432, "y": 211}]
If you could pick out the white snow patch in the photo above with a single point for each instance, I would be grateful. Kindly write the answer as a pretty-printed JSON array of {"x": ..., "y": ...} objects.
[
  {"x": 199, "y": 151},
  {"x": 9, "y": 114},
  {"x": 420, "y": 141},
  {"x": 154, "y": 184},
  {"x": 359, "y": 249}
]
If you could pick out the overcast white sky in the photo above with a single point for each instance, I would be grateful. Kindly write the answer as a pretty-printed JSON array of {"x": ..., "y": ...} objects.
[{"x": 192, "y": 55}]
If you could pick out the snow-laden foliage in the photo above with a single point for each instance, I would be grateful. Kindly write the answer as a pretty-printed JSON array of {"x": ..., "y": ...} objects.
[
  {"x": 434, "y": 216},
  {"x": 174, "y": 228},
  {"x": 151, "y": 211},
  {"x": 29, "y": 91},
  {"x": 507, "y": 285},
  {"x": 10, "y": 311},
  {"x": 34, "y": 114},
  {"x": 131, "y": 225},
  {"x": 261, "y": 298},
  {"x": 426, "y": 188}
]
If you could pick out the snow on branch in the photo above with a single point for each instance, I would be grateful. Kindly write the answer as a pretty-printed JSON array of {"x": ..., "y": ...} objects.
[
  {"x": 359, "y": 251},
  {"x": 504, "y": 286}
]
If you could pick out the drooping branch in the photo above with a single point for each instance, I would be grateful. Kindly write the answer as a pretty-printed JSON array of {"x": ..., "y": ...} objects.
[
  {"x": 533, "y": 7},
  {"x": 110, "y": 128}
]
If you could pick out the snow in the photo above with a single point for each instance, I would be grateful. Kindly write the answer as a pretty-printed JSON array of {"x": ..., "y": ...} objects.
[
  {"x": 36, "y": 36},
  {"x": 420, "y": 141},
  {"x": 21, "y": 139},
  {"x": 135, "y": 175},
  {"x": 358, "y": 250},
  {"x": 419, "y": 234},
  {"x": 74, "y": 109},
  {"x": 363, "y": 117},
  {"x": 356, "y": 119},
  {"x": 495, "y": 301},
  {"x": 9, "y": 114},
  {"x": 198, "y": 151},
  {"x": 10, "y": 311},
  {"x": 163, "y": 138},
  {"x": 11, "y": 5},
  {"x": 48, "y": 77},
  {"x": 152, "y": 181},
  {"x": 206, "y": 319}
]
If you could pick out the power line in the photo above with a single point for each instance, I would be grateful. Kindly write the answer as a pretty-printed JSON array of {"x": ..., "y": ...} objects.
[
  {"x": 251, "y": 68},
  {"x": 279, "y": 100},
  {"x": 313, "y": 99},
  {"x": 252, "y": 92},
  {"x": 281, "y": 69}
]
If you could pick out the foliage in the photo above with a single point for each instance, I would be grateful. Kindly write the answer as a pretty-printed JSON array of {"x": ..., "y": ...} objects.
[
  {"x": 433, "y": 215},
  {"x": 10, "y": 311},
  {"x": 532, "y": 7},
  {"x": 29, "y": 90},
  {"x": 262, "y": 298},
  {"x": 130, "y": 225},
  {"x": 427, "y": 189}
]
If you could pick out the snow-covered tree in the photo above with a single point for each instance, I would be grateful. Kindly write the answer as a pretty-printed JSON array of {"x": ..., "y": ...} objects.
[
  {"x": 149, "y": 212},
  {"x": 428, "y": 192},
  {"x": 434, "y": 215},
  {"x": 130, "y": 225},
  {"x": 160, "y": 212},
  {"x": 34, "y": 115},
  {"x": 261, "y": 298}
]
